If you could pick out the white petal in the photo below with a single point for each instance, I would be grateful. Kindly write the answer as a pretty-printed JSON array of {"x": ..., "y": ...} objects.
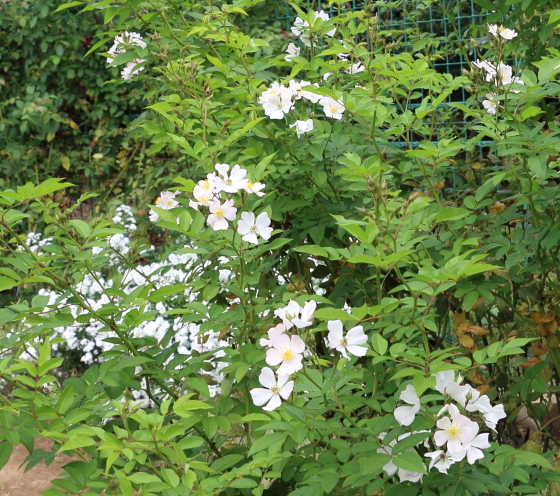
[
  {"x": 251, "y": 238},
  {"x": 356, "y": 336},
  {"x": 287, "y": 389},
  {"x": 273, "y": 357},
  {"x": 248, "y": 218},
  {"x": 260, "y": 396},
  {"x": 405, "y": 415},
  {"x": 409, "y": 395},
  {"x": 342, "y": 350},
  {"x": 335, "y": 330},
  {"x": 267, "y": 378},
  {"x": 273, "y": 404},
  {"x": 358, "y": 351},
  {"x": 297, "y": 344},
  {"x": 243, "y": 228}
]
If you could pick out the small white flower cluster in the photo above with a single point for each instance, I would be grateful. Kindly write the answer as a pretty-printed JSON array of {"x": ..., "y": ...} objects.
[
  {"x": 278, "y": 100},
  {"x": 208, "y": 193},
  {"x": 121, "y": 43},
  {"x": 501, "y": 32},
  {"x": 166, "y": 201},
  {"x": 457, "y": 435},
  {"x": 306, "y": 31},
  {"x": 287, "y": 351},
  {"x": 502, "y": 74}
]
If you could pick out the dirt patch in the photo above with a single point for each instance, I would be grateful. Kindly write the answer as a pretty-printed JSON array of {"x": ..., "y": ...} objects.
[{"x": 15, "y": 482}]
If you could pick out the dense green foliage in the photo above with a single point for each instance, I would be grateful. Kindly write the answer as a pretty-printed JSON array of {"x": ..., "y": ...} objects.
[{"x": 364, "y": 223}]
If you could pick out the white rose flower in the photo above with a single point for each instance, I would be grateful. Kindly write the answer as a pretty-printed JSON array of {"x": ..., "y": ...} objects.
[
  {"x": 277, "y": 105},
  {"x": 303, "y": 127},
  {"x": 252, "y": 187},
  {"x": 500, "y": 31},
  {"x": 273, "y": 390},
  {"x": 249, "y": 227},
  {"x": 293, "y": 51},
  {"x": 166, "y": 201},
  {"x": 220, "y": 214},
  {"x": 332, "y": 108},
  {"x": 353, "y": 342},
  {"x": 233, "y": 182},
  {"x": 490, "y": 105},
  {"x": 405, "y": 415},
  {"x": 131, "y": 69},
  {"x": 286, "y": 352}
]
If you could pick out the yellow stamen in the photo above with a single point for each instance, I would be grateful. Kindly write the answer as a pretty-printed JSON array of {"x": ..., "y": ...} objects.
[
  {"x": 454, "y": 431},
  {"x": 286, "y": 355},
  {"x": 219, "y": 212}
]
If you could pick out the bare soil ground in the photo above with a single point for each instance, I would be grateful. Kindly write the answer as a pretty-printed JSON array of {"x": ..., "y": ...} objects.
[{"x": 15, "y": 482}]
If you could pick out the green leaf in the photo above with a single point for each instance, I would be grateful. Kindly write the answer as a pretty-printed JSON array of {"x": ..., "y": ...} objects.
[
  {"x": 124, "y": 484},
  {"x": 190, "y": 442},
  {"x": 379, "y": 343},
  {"x": 314, "y": 250},
  {"x": 469, "y": 301},
  {"x": 410, "y": 442},
  {"x": 530, "y": 458},
  {"x": 410, "y": 460},
  {"x": 267, "y": 441},
  {"x": 478, "y": 268},
  {"x": 453, "y": 213},
  {"x": 143, "y": 478},
  {"x": 159, "y": 294},
  {"x": 256, "y": 417},
  {"x": 53, "y": 184},
  {"x": 225, "y": 462},
  {"x": 82, "y": 227},
  {"x": 5, "y": 452},
  {"x": 243, "y": 483},
  {"x": 294, "y": 412},
  {"x": 183, "y": 407},
  {"x": 6, "y": 315},
  {"x": 331, "y": 313},
  {"x": 486, "y": 4},
  {"x": 66, "y": 399},
  {"x": 130, "y": 362},
  {"x": 77, "y": 442},
  {"x": 65, "y": 6},
  {"x": 7, "y": 283}
]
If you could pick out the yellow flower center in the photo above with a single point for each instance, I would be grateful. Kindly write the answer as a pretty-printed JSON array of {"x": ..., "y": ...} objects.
[
  {"x": 206, "y": 184},
  {"x": 250, "y": 184},
  {"x": 275, "y": 390},
  {"x": 343, "y": 342},
  {"x": 229, "y": 182},
  {"x": 158, "y": 201},
  {"x": 219, "y": 212},
  {"x": 287, "y": 355},
  {"x": 501, "y": 29},
  {"x": 334, "y": 109},
  {"x": 253, "y": 229},
  {"x": 169, "y": 202},
  {"x": 454, "y": 431},
  {"x": 203, "y": 199}
]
